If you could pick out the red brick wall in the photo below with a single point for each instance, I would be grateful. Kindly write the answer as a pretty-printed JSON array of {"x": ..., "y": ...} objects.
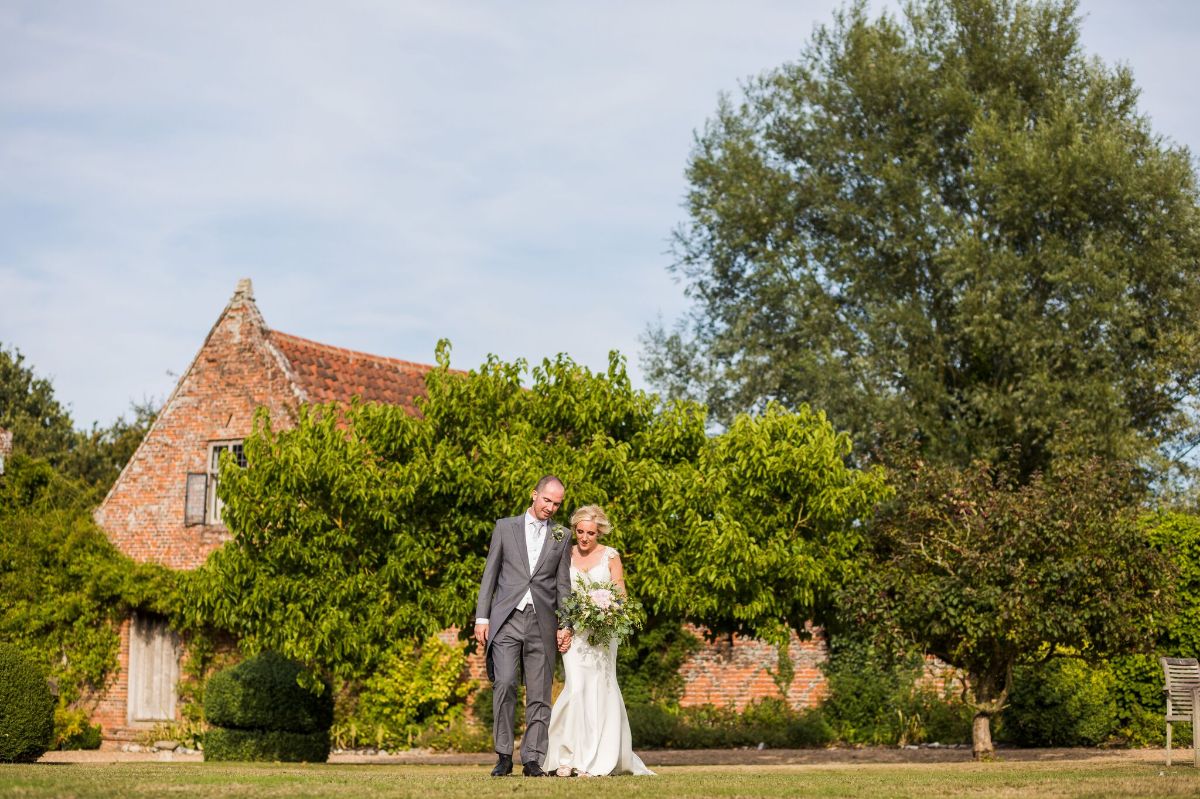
[
  {"x": 941, "y": 677},
  {"x": 725, "y": 672},
  {"x": 235, "y": 372}
]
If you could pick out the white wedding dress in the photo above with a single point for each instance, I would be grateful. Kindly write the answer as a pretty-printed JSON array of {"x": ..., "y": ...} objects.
[{"x": 589, "y": 729}]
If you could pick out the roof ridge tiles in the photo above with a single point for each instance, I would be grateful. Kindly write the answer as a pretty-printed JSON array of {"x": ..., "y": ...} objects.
[{"x": 300, "y": 340}]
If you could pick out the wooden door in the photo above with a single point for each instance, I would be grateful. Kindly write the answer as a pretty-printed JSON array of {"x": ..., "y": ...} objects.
[{"x": 153, "y": 668}]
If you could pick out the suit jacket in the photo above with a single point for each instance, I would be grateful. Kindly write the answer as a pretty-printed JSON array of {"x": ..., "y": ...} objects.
[{"x": 506, "y": 577}]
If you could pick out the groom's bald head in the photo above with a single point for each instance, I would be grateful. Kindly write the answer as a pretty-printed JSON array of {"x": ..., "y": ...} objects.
[
  {"x": 548, "y": 480},
  {"x": 546, "y": 498}
]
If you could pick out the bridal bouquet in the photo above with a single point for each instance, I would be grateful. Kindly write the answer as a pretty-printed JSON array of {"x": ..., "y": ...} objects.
[{"x": 600, "y": 611}]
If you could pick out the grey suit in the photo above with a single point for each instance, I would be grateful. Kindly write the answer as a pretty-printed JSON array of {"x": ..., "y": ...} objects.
[{"x": 522, "y": 638}]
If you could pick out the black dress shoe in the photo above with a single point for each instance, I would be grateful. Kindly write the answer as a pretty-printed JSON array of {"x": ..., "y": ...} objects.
[
  {"x": 532, "y": 769},
  {"x": 503, "y": 766}
]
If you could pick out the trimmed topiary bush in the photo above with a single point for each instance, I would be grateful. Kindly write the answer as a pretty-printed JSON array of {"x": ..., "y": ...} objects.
[
  {"x": 221, "y": 743},
  {"x": 258, "y": 711},
  {"x": 26, "y": 708},
  {"x": 262, "y": 693}
]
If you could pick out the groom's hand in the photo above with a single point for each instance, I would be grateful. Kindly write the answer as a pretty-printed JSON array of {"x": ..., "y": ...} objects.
[
  {"x": 481, "y": 634},
  {"x": 564, "y": 640}
]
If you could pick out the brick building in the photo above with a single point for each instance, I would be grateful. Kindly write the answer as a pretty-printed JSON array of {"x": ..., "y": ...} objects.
[{"x": 163, "y": 507}]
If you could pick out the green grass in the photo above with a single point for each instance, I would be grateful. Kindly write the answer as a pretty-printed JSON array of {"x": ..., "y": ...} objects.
[{"x": 924, "y": 781}]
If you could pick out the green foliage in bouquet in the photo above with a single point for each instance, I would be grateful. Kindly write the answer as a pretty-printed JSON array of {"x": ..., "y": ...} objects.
[{"x": 601, "y": 611}]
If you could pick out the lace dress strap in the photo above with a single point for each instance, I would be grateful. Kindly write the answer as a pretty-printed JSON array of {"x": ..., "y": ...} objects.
[{"x": 609, "y": 553}]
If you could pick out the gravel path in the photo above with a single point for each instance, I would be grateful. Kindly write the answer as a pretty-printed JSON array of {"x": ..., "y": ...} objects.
[{"x": 693, "y": 757}]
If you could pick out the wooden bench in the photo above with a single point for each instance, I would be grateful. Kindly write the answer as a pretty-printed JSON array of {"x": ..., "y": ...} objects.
[{"x": 1182, "y": 689}]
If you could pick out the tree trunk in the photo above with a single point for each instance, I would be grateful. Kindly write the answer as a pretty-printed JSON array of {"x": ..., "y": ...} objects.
[
  {"x": 988, "y": 690},
  {"x": 981, "y": 737}
]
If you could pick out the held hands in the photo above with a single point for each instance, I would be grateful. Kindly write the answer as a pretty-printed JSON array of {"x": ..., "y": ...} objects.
[{"x": 563, "y": 636}]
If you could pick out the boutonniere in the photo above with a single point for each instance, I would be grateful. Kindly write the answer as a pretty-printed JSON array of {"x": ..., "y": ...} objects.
[{"x": 558, "y": 532}]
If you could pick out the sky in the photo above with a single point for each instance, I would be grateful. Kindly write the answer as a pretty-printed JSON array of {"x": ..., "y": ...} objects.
[{"x": 506, "y": 175}]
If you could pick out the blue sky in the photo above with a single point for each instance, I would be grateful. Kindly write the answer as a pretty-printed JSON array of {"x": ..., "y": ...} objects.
[{"x": 505, "y": 175}]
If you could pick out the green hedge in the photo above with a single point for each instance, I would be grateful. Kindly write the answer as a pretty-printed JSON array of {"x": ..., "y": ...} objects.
[
  {"x": 262, "y": 693},
  {"x": 266, "y": 745},
  {"x": 768, "y": 721},
  {"x": 26, "y": 708},
  {"x": 652, "y": 726},
  {"x": 1064, "y": 702}
]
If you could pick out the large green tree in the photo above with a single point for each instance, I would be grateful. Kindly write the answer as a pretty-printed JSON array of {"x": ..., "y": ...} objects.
[
  {"x": 40, "y": 425},
  {"x": 42, "y": 428},
  {"x": 361, "y": 527},
  {"x": 988, "y": 573},
  {"x": 953, "y": 225}
]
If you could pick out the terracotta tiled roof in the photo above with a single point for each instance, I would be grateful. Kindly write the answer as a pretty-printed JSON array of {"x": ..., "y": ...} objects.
[{"x": 333, "y": 374}]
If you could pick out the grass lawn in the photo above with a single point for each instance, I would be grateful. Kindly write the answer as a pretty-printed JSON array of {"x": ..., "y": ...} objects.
[{"x": 925, "y": 781}]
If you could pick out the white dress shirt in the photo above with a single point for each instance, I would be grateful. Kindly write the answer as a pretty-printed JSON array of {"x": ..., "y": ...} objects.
[{"x": 535, "y": 539}]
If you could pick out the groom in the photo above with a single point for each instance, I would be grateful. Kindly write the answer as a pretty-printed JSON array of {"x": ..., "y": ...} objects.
[{"x": 527, "y": 574}]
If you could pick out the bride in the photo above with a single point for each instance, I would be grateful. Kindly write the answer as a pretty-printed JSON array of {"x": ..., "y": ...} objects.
[{"x": 589, "y": 729}]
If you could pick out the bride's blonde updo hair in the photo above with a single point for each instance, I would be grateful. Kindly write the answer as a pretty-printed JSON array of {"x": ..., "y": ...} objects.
[{"x": 592, "y": 513}]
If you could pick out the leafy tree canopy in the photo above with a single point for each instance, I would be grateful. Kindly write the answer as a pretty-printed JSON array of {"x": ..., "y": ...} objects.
[
  {"x": 364, "y": 526},
  {"x": 1178, "y": 536},
  {"x": 986, "y": 573},
  {"x": 42, "y": 427},
  {"x": 953, "y": 223}
]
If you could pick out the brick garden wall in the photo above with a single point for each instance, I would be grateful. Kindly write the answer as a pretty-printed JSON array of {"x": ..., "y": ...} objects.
[{"x": 735, "y": 672}]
